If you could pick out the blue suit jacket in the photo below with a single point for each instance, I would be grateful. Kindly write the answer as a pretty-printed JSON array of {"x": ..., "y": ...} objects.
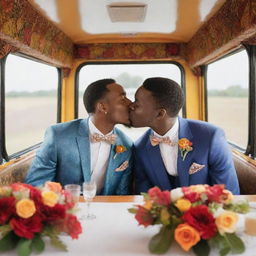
[
  {"x": 64, "y": 157},
  {"x": 210, "y": 148}
]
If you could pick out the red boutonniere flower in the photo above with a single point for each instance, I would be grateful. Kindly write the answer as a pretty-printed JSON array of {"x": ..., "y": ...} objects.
[
  {"x": 185, "y": 147},
  {"x": 119, "y": 149}
]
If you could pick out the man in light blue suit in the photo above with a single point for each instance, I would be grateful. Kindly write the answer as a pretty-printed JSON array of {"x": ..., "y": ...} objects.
[
  {"x": 176, "y": 152},
  {"x": 76, "y": 151}
]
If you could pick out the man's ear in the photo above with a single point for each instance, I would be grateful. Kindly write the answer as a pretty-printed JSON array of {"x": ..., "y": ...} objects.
[
  {"x": 161, "y": 113},
  {"x": 101, "y": 107}
]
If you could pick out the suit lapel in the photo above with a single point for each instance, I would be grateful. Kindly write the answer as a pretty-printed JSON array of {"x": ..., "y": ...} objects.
[
  {"x": 83, "y": 143},
  {"x": 183, "y": 165},
  {"x": 112, "y": 165},
  {"x": 158, "y": 168}
]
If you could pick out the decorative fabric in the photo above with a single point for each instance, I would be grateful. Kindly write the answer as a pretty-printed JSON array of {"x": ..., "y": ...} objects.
[
  {"x": 155, "y": 140},
  {"x": 111, "y": 138}
]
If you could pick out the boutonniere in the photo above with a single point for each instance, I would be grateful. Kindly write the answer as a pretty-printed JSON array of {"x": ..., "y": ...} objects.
[
  {"x": 185, "y": 147},
  {"x": 119, "y": 149}
]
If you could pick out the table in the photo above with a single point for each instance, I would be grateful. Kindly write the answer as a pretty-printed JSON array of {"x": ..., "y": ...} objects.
[{"x": 115, "y": 232}]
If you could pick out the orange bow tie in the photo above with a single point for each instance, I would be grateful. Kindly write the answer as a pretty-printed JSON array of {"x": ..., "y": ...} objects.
[
  {"x": 111, "y": 138},
  {"x": 155, "y": 140}
]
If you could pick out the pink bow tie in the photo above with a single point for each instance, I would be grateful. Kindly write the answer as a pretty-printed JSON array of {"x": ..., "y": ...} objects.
[
  {"x": 155, "y": 140},
  {"x": 111, "y": 138}
]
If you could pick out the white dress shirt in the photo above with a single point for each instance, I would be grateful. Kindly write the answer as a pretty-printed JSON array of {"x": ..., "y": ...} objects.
[
  {"x": 99, "y": 157},
  {"x": 170, "y": 153}
]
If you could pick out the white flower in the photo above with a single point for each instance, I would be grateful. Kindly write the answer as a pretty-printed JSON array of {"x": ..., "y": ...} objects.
[{"x": 176, "y": 194}]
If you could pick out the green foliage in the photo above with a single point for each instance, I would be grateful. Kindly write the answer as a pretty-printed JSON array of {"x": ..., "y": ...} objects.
[
  {"x": 38, "y": 244},
  {"x": 161, "y": 242},
  {"x": 228, "y": 243},
  {"x": 132, "y": 210},
  {"x": 54, "y": 238},
  {"x": 235, "y": 243},
  {"x": 4, "y": 230},
  {"x": 202, "y": 248},
  {"x": 231, "y": 91},
  {"x": 24, "y": 247},
  {"x": 241, "y": 206},
  {"x": 8, "y": 242}
]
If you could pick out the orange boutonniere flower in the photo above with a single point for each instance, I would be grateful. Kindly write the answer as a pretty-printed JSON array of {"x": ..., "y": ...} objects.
[
  {"x": 119, "y": 149},
  {"x": 185, "y": 147}
]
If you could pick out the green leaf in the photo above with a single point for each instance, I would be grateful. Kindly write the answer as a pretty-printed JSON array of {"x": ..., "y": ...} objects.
[
  {"x": 202, "y": 248},
  {"x": 24, "y": 247},
  {"x": 132, "y": 210},
  {"x": 56, "y": 242},
  {"x": 220, "y": 242},
  {"x": 38, "y": 244},
  {"x": 224, "y": 251},
  {"x": 161, "y": 242},
  {"x": 8, "y": 242},
  {"x": 235, "y": 243},
  {"x": 4, "y": 230}
]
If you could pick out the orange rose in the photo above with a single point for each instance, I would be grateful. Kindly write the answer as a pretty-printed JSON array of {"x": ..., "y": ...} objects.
[
  {"x": 120, "y": 149},
  {"x": 25, "y": 208},
  {"x": 186, "y": 236},
  {"x": 53, "y": 186},
  {"x": 184, "y": 143}
]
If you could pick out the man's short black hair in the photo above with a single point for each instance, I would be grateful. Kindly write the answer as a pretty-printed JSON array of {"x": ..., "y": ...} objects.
[
  {"x": 167, "y": 94},
  {"x": 94, "y": 92}
]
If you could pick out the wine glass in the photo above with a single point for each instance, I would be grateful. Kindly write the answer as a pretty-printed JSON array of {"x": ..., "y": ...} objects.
[{"x": 89, "y": 192}]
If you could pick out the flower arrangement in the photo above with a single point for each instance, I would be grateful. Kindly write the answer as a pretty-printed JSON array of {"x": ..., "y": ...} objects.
[
  {"x": 185, "y": 147},
  {"x": 119, "y": 149},
  {"x": 28, "y": 214},
  {"x": 197, "y": 217}
]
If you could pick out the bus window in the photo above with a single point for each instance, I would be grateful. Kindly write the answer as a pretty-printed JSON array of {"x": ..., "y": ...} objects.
[
  {"x": 227, "y": 96},
  {"x": 130, "y": 76},
  {"x": 30, "y": 101}
]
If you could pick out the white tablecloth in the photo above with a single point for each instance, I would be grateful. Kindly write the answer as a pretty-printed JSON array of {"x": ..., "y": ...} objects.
[{"x": 115, "y": 232}]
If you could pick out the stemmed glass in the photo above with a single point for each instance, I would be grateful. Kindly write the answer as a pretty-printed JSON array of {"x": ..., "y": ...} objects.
[{"x": 89, "y": 192}]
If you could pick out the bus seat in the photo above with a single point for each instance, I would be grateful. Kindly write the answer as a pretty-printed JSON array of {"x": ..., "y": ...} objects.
[
  {"x": 16, "y": 170},
  {"x": 246, "y": 173}
]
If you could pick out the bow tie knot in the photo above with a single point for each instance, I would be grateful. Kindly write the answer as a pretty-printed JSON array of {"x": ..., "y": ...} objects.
[
  {"x": 96, "y": 137},
  {"x": 155, "y": 140}
]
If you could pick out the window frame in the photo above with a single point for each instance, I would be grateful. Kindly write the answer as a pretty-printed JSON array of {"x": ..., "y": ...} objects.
[
  {"x": 4, "y": 156},
  {"x": 251, "y": 140},
  {"x": 181, "y": 68}
]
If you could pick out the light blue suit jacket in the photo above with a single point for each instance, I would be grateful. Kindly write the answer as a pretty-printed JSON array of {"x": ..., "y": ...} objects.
[
  {"x": 210, "y": 148},
  {"x": 64, "y": 157}
]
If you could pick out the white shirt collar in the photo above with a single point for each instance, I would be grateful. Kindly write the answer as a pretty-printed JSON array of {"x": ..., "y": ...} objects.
[
  {"x": 93, "y": 129},
  {"x": 172, "y": 133}
]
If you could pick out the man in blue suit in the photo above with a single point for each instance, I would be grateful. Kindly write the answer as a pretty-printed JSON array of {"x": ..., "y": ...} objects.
[
  {"x": 176, "y": 152},
  {"x": 76, "y": 151}
]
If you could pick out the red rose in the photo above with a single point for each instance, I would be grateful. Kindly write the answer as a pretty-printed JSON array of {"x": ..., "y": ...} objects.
[
  {"x": 71, "y": 226},
  {"x": 26, "y": 227},
  {"x": 202, "y": 220},
  {"x": 159, "y": 197},
  {"x": 50, "y": 214},
  {"x": 7, "y": 206},
  {"x": 215, "y": 193},
  {"x": 143, "y": 216},
  {"x": 190, "y": 195}
]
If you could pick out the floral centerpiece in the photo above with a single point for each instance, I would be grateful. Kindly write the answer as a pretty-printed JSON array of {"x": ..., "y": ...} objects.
[
  {"x": 196, "y": 217},
  {"x": 27, "y": 214}
]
